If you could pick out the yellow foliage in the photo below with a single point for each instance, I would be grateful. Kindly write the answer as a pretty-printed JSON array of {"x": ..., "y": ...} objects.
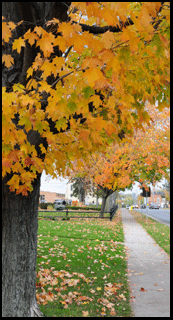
[{"x": 94, "y": 90}]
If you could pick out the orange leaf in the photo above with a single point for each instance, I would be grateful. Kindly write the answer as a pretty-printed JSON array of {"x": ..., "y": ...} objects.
[
  {"x": 142, "y": 290},
  {"x": 85, "y": 313},
  {"x": 92, "y": 75},
  {"x": 8, "y": 60}
]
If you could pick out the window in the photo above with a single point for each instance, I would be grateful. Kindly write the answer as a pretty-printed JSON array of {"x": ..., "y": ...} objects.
[{"x": 42, "y": 197}]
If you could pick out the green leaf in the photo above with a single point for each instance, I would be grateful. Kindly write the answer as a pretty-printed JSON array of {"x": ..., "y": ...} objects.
[
  {"x": 39, "y": 126},
  {"x": 26, "y": 122},
  {"x": 88, "y": 92},
  {"x": 72, "y": 106},
  {"x": 61, "y": 124}
]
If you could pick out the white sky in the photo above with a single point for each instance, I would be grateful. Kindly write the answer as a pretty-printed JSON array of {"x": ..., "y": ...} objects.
[
  {"x": 138, "y": 190},
  {"x": 53, "y": 185}
]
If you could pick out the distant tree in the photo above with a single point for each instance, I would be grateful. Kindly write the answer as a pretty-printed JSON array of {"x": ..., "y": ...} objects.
[
  {"x": 160, "y": 192},
  {"x": 79, "y": 188},
  {"x": 128, "y": 200}
]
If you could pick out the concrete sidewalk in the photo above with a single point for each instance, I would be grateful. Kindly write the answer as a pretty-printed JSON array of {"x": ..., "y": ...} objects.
[{"x": 148, "y": 268}]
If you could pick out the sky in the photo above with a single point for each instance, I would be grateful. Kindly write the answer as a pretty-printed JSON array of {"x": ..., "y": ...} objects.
[
  {"x": 53, "y": 185},
  {"x": 136, "y": 189}
]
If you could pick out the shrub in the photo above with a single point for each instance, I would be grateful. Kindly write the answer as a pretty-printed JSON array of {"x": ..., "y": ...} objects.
[
  {"x": 82, "y": 208},
  {"x": 43, "y": 205}
]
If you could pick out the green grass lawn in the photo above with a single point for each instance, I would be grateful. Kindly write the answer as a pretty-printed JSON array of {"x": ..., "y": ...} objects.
[
  {"x": 81, "y": 268},
  {"x": 159, "y": 232}
]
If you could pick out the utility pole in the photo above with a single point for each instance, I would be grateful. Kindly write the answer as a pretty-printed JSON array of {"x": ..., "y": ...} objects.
[{"x": 146, "y": 205}]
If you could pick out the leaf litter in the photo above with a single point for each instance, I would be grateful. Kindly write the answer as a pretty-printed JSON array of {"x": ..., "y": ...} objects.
[{"x": 67, "y": 287}]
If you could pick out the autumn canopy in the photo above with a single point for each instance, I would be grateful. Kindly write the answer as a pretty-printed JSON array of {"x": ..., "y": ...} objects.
[
  {"x": 87, "y": 86},
  {"x": 79, "y": 79}
]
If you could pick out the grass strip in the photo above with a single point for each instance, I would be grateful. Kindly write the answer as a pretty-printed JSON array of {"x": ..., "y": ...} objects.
[
  {"x": 158, "y": 231},
  {"x": 82, "y": 269}
]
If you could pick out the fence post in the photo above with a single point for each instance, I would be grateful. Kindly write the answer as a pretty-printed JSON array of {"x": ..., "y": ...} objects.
[{"x": 67, "y": 213}]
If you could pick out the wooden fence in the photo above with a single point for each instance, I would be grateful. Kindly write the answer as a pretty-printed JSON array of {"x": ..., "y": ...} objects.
[{"x": 71, "y": 214}]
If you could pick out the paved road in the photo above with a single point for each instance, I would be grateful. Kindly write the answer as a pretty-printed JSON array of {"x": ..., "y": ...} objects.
[
  {"x": 148, "y": 271},
  {"x": 160, "y": 215}
]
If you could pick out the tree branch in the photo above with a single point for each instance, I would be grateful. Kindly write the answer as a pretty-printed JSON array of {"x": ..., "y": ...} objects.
[{"x": 99, "y": 30}]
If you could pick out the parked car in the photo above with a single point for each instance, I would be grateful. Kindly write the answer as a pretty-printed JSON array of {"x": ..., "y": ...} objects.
[
  {"x": 151, "y": 205},
  {"x": 154, "y": 206},
  {"x": 143, "y": 206},
  {"x": 59, "y": 204},
  {"x": 135, "y": 206},
  {"x": 127, "y": 207},
  {"x": 43, "y": 201}
]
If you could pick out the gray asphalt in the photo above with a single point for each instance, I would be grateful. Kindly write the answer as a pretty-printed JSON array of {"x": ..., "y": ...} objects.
[
  {"x": 161, "y": 215},
  {"x": 148, "y": 271}
]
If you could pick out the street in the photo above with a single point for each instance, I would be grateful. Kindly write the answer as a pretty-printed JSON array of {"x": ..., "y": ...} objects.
[{"x": 160, "y": 215}]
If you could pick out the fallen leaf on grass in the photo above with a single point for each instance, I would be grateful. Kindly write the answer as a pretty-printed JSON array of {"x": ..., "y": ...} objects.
[
  {"x": 106, "y": 303},
  {"x": 113, "y": 312},
  {"x": 98, "y": 288},
  {"x": 112, "y": 288},
  {"x": 85, "y": 313},
  {"x": 84, "y": 298},
  {"x": 160, "y": 290},
  {"x": 38, "y": 285},
  {"x": 122, "y": 296},
  {"x": 92, "y": 291}
]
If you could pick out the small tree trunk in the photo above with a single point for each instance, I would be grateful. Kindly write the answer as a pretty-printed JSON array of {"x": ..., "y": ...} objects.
[
  {"x": 97, "y": 201},
  {"x": 103, "y": 206},
  {"x": 19, "y": 252}
]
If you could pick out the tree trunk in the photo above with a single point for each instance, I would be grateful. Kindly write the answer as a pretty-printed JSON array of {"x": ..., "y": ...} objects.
[
  {"x": 97, "y": 201},
  {"x": 103, "y": 206},
  {"x": 81, "y": 190},
  {"x": 19, "y": 252},
  {"x": 20, "y": 213},
  {"x": 105, "y": 194}
]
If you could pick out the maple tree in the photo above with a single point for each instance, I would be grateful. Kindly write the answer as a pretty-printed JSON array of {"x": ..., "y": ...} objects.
[
  {"x": 145, "y": 157},
  {"x": 75, "y": 78}
]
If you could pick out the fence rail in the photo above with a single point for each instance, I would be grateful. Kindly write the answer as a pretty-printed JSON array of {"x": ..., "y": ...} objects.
[
  {"x": 50, "y": 217},
  {"x": 72, "y": 214}
]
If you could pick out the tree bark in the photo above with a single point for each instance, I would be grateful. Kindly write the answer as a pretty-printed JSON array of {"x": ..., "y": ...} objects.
[
  {"x": 20, "y": 213},
  {"x": 103, "y": 206},
  {"x": 19, "y": 252},
  {"x": 105, "y": 194}
]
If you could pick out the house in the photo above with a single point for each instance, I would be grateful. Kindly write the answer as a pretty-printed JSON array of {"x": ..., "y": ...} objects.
[
  {"x": 155, "y": 198},
  {"x": 89, "y": 199},
  {"x": 51, "y": 196}
]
